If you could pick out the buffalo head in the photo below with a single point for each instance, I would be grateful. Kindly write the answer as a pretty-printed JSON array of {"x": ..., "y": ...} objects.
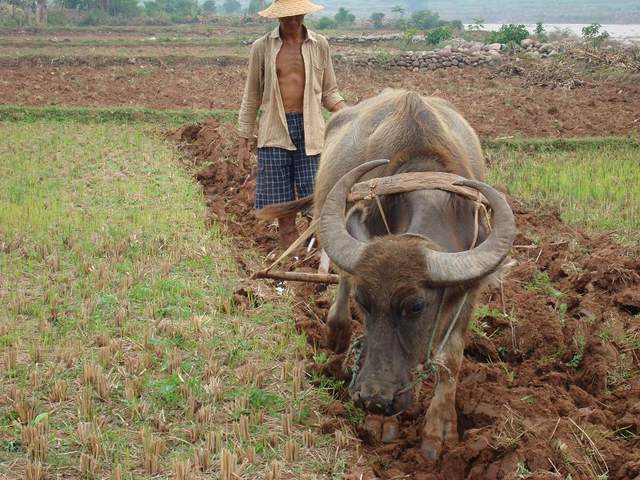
[{"x": 403, "y": 284}]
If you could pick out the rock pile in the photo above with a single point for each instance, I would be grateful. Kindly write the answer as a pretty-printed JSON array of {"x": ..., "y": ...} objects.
[
  {"x": 535, "y": 49},
  {"x": 447, "y": 57}
]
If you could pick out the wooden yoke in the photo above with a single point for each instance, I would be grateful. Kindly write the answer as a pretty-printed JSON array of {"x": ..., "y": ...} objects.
[{"x": 368, "y": 190}]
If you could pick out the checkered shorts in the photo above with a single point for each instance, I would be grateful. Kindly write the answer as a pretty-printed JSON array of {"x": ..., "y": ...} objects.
[{"x": 284, "y": 175}]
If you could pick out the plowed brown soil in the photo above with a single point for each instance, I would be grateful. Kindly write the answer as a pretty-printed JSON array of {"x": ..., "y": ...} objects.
[
  {"x": 494, "y": 107},
  {"x": 550, "y": 383}
]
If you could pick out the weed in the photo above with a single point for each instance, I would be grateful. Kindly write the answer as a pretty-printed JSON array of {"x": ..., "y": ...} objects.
[{"x": 576, "y": 359}]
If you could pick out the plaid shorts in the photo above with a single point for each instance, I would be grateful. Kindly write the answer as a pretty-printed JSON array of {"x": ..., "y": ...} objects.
[{"x": 284, "y": 175}]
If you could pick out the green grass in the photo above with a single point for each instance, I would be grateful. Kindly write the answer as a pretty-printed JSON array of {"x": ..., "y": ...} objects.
[
  {"x": 111, "y": 114},
  {"x": 595, "y": 185},
  {"x": 115, "y": 293},
  {"x": 555, "y": 145}
]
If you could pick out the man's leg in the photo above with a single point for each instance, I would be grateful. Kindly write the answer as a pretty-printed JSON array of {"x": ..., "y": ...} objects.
[{"x": 274, "y": 184}]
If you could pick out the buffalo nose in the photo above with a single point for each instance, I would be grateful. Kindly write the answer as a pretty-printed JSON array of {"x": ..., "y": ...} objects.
[{"x": 375, "y": 399}]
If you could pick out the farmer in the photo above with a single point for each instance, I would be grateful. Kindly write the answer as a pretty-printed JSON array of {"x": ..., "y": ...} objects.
[{"x": 290, "y": 78}]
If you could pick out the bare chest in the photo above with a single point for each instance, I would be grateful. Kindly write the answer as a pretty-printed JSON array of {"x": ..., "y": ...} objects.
[{"x": 289, "y": 61}]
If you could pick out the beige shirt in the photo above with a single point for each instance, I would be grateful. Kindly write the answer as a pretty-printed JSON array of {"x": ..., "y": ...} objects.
[{"x": 262, "y": 92}]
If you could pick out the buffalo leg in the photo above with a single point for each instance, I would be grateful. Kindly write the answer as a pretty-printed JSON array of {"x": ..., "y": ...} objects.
[
  {"x": 339, "y": 318},
  {"x": 440, "y": 429}
]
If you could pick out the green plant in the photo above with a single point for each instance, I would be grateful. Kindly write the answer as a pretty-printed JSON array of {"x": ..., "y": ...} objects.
[
  {"x": 509, "y": 34},
  {"x": 377, "y": 19},
  {"x": 407, "y": 36},
  {"x": 593, "y": 34},
  {"x": 326, "y": 23},
  {"x": 382, "y": 56},
  {"x": 578, "y": 355},
  {"x": 344, "y": 17},
  {"x": 543, "y": 284},
  {"x": 439, "y": 34},
  {"x": 541, "y": 33}
]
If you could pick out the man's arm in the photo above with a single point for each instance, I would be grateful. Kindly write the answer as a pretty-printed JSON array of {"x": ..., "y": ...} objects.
[
  {"x": 331, "y": 98},
  {"x": 251, "y": 100}
]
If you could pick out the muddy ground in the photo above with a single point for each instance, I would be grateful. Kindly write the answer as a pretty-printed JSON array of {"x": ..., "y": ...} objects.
[
  {"x": 494, "y": 106},
  {"x": 550, "y": 382}
]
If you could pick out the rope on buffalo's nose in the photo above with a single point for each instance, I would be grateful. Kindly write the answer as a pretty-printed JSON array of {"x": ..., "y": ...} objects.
[{"x": 431, "y": 366}]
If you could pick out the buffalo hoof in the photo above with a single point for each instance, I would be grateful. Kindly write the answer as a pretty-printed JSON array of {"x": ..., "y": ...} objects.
[
  {"x": 338, "y": 338},
  {"x": 438, "y": 434}
]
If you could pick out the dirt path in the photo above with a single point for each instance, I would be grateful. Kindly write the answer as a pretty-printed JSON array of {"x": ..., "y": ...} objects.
[
  {"x": 494, "y": 107},
  {"x": 550, "y": 383}
]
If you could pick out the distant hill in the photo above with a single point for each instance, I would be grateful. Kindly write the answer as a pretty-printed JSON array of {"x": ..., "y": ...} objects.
[{"x": 501, "y": 11}]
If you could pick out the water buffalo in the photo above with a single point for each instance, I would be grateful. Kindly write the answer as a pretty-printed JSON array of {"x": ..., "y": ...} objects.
[
  {"x": 413, "y": 275},
  {"x": 427, "y": 268}
]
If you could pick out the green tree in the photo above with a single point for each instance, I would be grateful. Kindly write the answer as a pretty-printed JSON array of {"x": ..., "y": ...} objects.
[
  {"x": 326, "y": 23},
  {"x": 231, "y": 7},
  {"x": 209, "y": 6},
  {"x": 255, "y": 6},
  {"x": 594, "y": 35},
  {"x": 344, "y": 17},
  {"x": 377, "y": 18},
  {"x": 399, "y": 10},
  {"x": 425, "y": 19},
  {"x": 124, "y": 8},
  {"x": 541, "y": 33},
  {"x": 476, "y": 25},
  {"x": 509, "y": 34}
]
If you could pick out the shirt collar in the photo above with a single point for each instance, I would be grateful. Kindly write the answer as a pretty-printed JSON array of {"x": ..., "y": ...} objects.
[{"x": 275, "y": 33}]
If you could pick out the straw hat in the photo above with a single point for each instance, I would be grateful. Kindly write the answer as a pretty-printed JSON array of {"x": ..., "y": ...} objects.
[{"x": 289, "y": 8}]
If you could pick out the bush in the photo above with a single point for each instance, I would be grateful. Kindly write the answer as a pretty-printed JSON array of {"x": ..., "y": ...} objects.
[
  {"x": 594, "y": 35},
  {"x": 344, "y": 17},
  {"x": 407, "y": 36},
  {"x": 125, "y": 8},
  {"x": 95, "y": 18},
  {"x": 326, "y": 23},
  {"x": 57, "y": 18},
  {"x": 437, "y": 35},
  {"x": 509, "y": 34},
  {"x": 425, "y": 19}
]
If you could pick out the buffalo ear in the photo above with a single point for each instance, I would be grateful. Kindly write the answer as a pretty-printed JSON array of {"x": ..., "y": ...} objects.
[{"x": 356, "y": 226}]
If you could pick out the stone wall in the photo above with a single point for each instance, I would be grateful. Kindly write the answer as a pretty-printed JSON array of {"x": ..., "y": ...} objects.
[{"x": 458, "y": 54}]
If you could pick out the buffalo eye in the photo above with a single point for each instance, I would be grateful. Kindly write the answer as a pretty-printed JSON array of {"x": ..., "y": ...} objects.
[{"x": 414, "y": 307}]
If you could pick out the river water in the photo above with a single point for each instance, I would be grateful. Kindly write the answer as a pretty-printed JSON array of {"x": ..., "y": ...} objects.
[{"x": 618, "y": 32}]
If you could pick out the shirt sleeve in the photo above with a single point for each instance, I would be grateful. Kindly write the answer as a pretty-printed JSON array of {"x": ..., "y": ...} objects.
[
  {"x": 252, "y": 97},
  {"x": 330, "y": 94}
]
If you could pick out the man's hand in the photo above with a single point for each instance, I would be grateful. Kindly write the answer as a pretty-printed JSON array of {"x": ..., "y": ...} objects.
[
  {"x": 338, "y": 106},
  {"x": 243, "y": 150}
]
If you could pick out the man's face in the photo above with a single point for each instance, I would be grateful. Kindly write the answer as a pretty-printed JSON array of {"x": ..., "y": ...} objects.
[{"x": 291, "y": 23}]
